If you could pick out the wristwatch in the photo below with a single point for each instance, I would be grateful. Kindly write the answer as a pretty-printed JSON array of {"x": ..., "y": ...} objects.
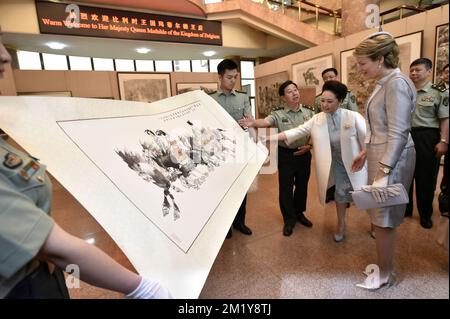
[
  {"x": 443, "y": 140},
  {"x": 386, "y": 170}
]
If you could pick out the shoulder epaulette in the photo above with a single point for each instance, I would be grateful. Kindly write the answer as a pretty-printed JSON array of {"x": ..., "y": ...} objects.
[
  {"x": 212, "y": 92},
  {"x": 278, "y": 108},
  {"x": 439, "y": 88},
  {"x": 241, "y": 92}
]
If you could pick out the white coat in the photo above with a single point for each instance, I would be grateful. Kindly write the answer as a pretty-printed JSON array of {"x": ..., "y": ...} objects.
[{"x": 353, "y": 130}]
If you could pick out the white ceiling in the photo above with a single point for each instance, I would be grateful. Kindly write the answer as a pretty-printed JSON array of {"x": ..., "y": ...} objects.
[{"x": 125, "y": 49}]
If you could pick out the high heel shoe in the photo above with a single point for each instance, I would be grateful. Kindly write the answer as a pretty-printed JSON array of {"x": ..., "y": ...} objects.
[
  {"x": 338, "y": 237},
  {"x": 368, "y": 285}
]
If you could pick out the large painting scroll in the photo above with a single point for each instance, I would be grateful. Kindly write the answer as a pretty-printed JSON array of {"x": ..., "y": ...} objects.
[{"x": 165, "y": 182}]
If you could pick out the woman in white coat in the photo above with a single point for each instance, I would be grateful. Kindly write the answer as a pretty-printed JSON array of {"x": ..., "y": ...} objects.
[{"x": 338, "y": 139}]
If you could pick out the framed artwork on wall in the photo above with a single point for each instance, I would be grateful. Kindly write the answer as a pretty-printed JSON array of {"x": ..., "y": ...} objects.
[
  {"x": 207, "y": 87},
  {"x": 267, "y": 96},
  {"x": 144, "y": 87},
  {"x": 440, "y": 52},
  {"x": 309, "y": 73},
  {"x": 410, "y": 46}
]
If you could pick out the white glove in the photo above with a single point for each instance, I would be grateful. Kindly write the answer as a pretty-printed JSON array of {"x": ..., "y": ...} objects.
[
  {"x": 149, "y": 289},
  {"x": 381, "y": 190}
]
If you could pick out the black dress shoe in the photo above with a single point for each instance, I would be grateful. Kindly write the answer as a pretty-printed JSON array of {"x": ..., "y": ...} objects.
[
  {"x": 230, "y": 233},
  {"x": 243, "y": 229},
  {"x": 304, "y": 221},
  {"x": 426, "y": 223},
  {"x": 287, "y": 230}
]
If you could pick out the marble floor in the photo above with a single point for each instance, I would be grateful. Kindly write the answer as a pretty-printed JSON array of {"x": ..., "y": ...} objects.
[{"x": 308, "y": 264}]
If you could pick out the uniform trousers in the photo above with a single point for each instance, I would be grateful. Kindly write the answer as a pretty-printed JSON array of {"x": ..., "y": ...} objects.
[
  {"x": 426, "y": 171},
  {"x": 41, "y": 284},
  {"x": 293, "y": 170},
  {"x": 239, "y": 220}
]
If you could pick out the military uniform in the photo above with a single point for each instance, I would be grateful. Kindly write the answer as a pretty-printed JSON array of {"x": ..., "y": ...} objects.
[
  {"x": 349, "y": 102},
  {"x": 292, "y": 170},
  {"x": 25, "y": 200},
  {"x": 431, "y": 106},
  {"x": 237, "y": 104}
]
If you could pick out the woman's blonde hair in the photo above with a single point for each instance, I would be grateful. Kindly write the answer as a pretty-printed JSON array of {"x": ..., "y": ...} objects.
[{"x": 377, "y": 46}]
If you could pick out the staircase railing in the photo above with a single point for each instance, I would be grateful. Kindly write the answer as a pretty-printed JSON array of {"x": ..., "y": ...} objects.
[{"x": 299, "y": 8}]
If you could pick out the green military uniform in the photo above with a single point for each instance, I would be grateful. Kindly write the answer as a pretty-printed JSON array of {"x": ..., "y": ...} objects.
[
  {"x": 349, "y": 102},
  {"x": 431, "y": 107},
  {"x": 292, "y": 169},
  {"x": 237, "y": 103},
  {"x": 284, "y": 118},
  {"x": 25, "y": 200}
]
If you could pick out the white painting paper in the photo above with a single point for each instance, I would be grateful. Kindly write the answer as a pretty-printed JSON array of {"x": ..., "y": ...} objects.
[
  {"x": 175, "y": 167},
  {"x": 80, "y": 141}
]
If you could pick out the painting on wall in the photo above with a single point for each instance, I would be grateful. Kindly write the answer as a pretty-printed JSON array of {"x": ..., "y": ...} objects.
[
  {"x": 207, "y": 87},
  {"x": 309, "y": 73},
  {"x": 144, "y": 87},
  {"x": 267, "y": 96},
  {"x": 440, "y": 52},
  {"x": 410, "y": 49}
]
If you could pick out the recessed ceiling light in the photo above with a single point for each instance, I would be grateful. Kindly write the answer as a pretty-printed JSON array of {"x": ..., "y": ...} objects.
[
  {"x": 143, "y": 50},
  {"x": 56, "y": 45},
  {"x": 209, "y": 53}
]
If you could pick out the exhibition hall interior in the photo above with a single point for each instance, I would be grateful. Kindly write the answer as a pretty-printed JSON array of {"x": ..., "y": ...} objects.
[{"x": 125, "y": 103}]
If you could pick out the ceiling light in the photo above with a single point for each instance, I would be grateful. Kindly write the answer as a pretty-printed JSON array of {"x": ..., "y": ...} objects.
[
  {"x": 143, "y": 50},
  {"x": 209, "y": 53},
  {"x": 56, "y": 45}
]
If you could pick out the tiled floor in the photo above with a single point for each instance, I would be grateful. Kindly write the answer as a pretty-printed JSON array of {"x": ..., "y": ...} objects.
[{"x": 308, "y": 264}]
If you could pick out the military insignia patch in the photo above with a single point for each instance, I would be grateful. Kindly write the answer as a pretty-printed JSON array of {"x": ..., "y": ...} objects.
[
  {"x": 29, "y": 170},
  {"x": 353, "y": 99},
  {"x": 12, "y": 161},
  {"x": 445, "y": 101},
  {"x": 427, "y": 98}
]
